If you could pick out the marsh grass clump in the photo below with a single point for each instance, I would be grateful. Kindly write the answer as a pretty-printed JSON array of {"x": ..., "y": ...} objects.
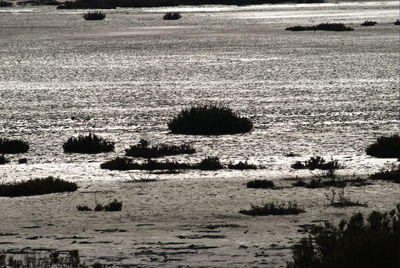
[
  {"x": 391, "y": 174},
  {"x": 94, "y": 15},
  {"x": 124, "y": 163},
  {"x": 273, "y": 209},
  {"x": 22, "y": 161},
  {"x": 369, "y": 23},
  {"x": 385, "y": 147},
  {"x": 337, "y": 27},
  {"x": 318, "y": 162},
  {"x": 342, "y": 201},
  {"x": 143, "y": 149},
  {"x": 118, "y": 163},
  {"x": 209, "y": 120},
  {"x": 5, "y": 3},
  {"x": 172, "y": 16},
  {"x": 37, "y": 187},
  {"x": 367, "y": 243},
  {"x": 9, "y": 146},
  {"x": 241, "y": 166},
  {"x": 260, "y": 184},
  {"x": 90, "y": 144},
  {"x": 397, "y": 22},
  {"x": 114, "y": 205},
  {"x": 210, "y": 163},
  {"x": 3, "y": 160}
]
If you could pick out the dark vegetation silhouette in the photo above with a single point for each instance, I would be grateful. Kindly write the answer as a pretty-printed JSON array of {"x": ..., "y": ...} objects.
[
  {"x": 273, "y": 209},
  {"x": 385, "y": 147},
  {"x": 36, "y": 258},
  {"x": 342, "y": 201},
  {"x": 5, "y": 3},
  {"x": 39, "y": 3},
  {"x": 143, "y": 149},
  {"x": 125, "y": 163},
  {"x": 10, "y": 146},
  {"x": 90, "y": 144},
  {"x": 369, "y": 23},
  {"x": 172, "y": 16},
  {"x": 241, "y": 165},
  {"x": 318, "y": 162},
  {"x": 94, "y": 15},
  {"x": 397, "y": 22},
  {"x": 114, "y": 205},
  {"x": 334, "y": 182},
  {"x": 260, "y": 184},
  {"x": 337, "y": 27},
  {"x": 37, "y": 187},
  {"x": 3, "y": 160},
  {"x": 391, "y": 174},
  {"x": 22, "y": 161},
  {"x": 105, "y": 4},
  {"x": 209, "y": 120},
  {"x": 356, "y": 243}
]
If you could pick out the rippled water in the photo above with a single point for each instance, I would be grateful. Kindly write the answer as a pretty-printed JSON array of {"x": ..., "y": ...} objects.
[{"x": 325, "y": 93}]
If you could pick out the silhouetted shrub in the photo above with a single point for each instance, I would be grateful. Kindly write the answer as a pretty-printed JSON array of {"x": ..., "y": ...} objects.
[
  {"x": 37, "y": 187},
  {"x": 22, "y": 161},
  {"x": 90, "y": 144},
  {"x": 118, "y": 163},
  {"x": 39, "y": 2},
  {"x": 385, "y": 147},
  {"x": 8, "y": 146},
  {"x": 83, "y": 208},
  {"x": 352, "y": 244},
  {"x": 124, "y": 163},
  {"x": 260, "y": 184},
  {"x": 172, "y": 16},
  {"x": 342, "y": 200},
  {"x": 397, "y": 22},
  {"x": 241, "y": 166},
  {"x": 143, "y": 149},
  {"x": 210, "y": 163},
  {"x": 339, "y": 183},
  {"x": 3, "y": 160},
  {"x": 390, "y": 174},
  {"x": 368, "y": 23},
  {"x": 5, "y": 3},
  {"x": 273, "y": 209},
  {"x": 112, "y": 206},
  {"x": 86, "y": 4},
  {"x": 318, "y": 162},
  {"x": 95, "y": 15},
  {"x": 209, "y": 120},
  {"x": 299, "y": 183},
  {"x": 338, "y": 27}
]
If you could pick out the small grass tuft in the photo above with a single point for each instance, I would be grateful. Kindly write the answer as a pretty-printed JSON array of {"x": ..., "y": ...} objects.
[
  {"x": 337, "y": 27},
  {"x": 273, "y": 209},
  {"x": 172, "y": 16},
  {"x": 241, "y": 166},
  {"x": 209, "y": 120},
  {"x": 368, "y": 23},
  {"x": 397, "y": 22},
  {"x": 210, "y": 163},
  {"x": 318, "y": 162},
  {"x": 37, "y": 187},
  {"x": 388, "y": 174},
  {"x": 385, "y": 147},
  {"x": 143, "y": 149},
  {"x": 90, "y": 144},
  {"x": 95, "y": 15},
  {"x": 260, "y": 184},
  {"x": 8, "y": 146}
]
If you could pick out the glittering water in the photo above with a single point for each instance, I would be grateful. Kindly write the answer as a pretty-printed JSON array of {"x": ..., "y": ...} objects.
[{"x": 311, "y": 93}]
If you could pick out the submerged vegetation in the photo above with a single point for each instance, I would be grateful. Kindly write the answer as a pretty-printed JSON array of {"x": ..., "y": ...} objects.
[
  {"x": 90, "y": 144},
  {"x": 353, "y": 243},
  {"x": 385, "y": 147},
  {"x": 37, "y": 187},
  {"x": 209, "y": 120},
  {"x": 172, "y": 16},
  {"x": 95, "y": 15},
  {"x": 143, "y": 149},
  {"x": 337, "y": 27},
  {"x": 9, "y": 146},
  {"x": 273, "y": 209}
]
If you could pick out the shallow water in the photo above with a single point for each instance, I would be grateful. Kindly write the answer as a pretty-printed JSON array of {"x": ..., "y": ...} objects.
[{"x": 311, "y": 93}]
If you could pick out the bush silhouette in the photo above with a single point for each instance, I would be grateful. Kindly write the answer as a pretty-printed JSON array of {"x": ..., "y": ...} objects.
[
  {"x": 273, "y": 209},
  {"x": 172, "y": 16},
  {"x": 210, "y": 163},
  {"x": 143, "y": 149},
  {"x": 337, "y": 27},
  {"x": 95, "y": 15},
  {"x": 241, "y": 166},
  {"x": 260, "y": 184},
  {"x": 37, "y": 187},
  {"x": 352, "y": 244},
  {"x": 3, "y": 160},
  {"x": 209, "y": 120},
  {"x": 368, "y": 23},
  {"x": 8, "y": 146},
  {"x": 385, "y": 147},
  {"x": 397, "y": 22},
  {"x": 90, "y": 144},
  {"x": 391, "y": 174}
]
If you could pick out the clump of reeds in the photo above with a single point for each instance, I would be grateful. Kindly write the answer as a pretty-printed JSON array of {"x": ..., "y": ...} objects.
[
  {"x": 143, "y": 149},
  {"x": 90, "y": 144},
  {"x": 337, "y": 27},
  {"x": 94, "y": 15},
  {"x": 273, "y": 209},
  {"x": 241, "y": 165},
  {"x": 172, "y": 16},
  {"x": 368, "y": 23}
]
